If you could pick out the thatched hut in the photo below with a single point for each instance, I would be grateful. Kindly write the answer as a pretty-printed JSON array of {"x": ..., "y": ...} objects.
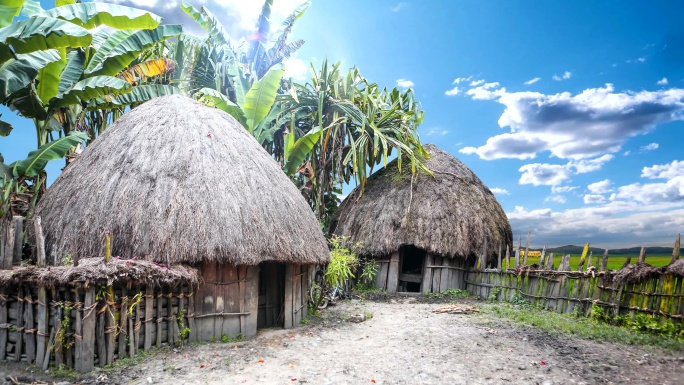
[
  {"x": 425, "y": 231},
  {"x": 176, "y": 182}
]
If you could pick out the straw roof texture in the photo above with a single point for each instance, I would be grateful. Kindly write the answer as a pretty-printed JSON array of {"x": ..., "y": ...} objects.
[
  {"x": 676, "y": 268},
  {"x": 636, "y": 272},
  {"x": 450, "y": 214},
  {"x": 94, "y": 271},
  {"x": 174, "y": 180}
]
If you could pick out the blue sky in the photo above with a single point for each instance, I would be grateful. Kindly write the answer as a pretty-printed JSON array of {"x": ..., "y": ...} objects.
[{"x": 570, "y": 111}]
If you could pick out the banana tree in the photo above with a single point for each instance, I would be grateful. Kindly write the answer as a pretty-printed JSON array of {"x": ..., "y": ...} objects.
[
  {"x": 69, "y": 68},
  {"x": 358, "y": 126},
  {"x": 65, "y": 64},
  {"x": 17, "y": 196},
  {"x": 242, "y": 80}
]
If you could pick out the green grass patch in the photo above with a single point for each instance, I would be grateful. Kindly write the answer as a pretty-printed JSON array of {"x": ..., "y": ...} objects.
[
  {"x": 615, "y": 262},
  {"x": 450, "y": 293},
  {"x": 585, "y": 328}
]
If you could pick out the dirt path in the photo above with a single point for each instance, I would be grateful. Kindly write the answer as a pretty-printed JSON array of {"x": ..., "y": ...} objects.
[{"x": 404, "y": 343}]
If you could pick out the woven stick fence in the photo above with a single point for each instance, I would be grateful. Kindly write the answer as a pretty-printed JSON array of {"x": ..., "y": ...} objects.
[
  {"x": 636, "y": 288},
  {"x": 71, "y": 327}
]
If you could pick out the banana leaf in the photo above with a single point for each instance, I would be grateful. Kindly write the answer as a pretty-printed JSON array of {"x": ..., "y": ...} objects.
[
  {"x": 91, "y": 15},
  {"x": 260, "y": 97},
  {"x": 35, "y": 163},
  {"x": 297, "y": 153},
  {"x": 75, "y": 63},
  {"x": 137, "y": 95},
  {"x": 213, "y": 98},
  {"x": 42, "y": 33},
  {"x": 16, "y": 74},
  {"x": 91, "y": 88},
  {"x": 120, "y": 55},
  {"x": 27, "y": 102},
  {"x": 31, "y": 8},
  {"x": 208, "y": 22},
  {"x": 9, "y": 9},
  {"x": 48, "y": 77},
  {"x": 5, "y": 128}
]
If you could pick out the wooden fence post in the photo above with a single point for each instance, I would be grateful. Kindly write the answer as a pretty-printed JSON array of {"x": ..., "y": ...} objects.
[
  {"x": 110, "y": 329},
  {"x": 583, "y": 258},
  {"x": 18, "y": 223},
  {"x": 40, "y": 242},
  {"x": 517, "y": 253},
  {"x": 508, "y": 257},
  {"x": 527, "y": 248},
  {"x": 88, "y": 333},
  {"x": 642, "y": 255},
  {"x": 498, "y": 263},
  {"x": 675, "y": 251},
  {"x": 549, "y": 262},
  {"x": 4, "y": 299},
  {"x": 542, "y": 258},
  {"x": 8, "y": 250},
  {"x": 604, "y": 262}
]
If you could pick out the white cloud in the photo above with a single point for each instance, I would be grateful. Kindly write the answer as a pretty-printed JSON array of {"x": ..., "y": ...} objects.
[
  {"x": 475, "y": 83},
  {"x": 600, "y": 187},
  {"x": 296, "y": 69},
  {"x": 538, "y": 174},
  {"x": 556, "y": 198},
  {"x": 532, "y": 81},
  {"x": 641, "y": 59},
  {"x": 594, "y": 199},
  {"x": 650, "y": 147},
  {"x": 499, "y": 191},
  {"x": 566, "y": 75},
  {"x": 545, "y": 174},
  {"x": 563, "y": 189},
  {"x": 662, "y": 82},
  {"x": 664, "y": 171},
  {"x": 627, "y": 153},
  {"x": 639, "y": 212},
  {"x": 594, "y": 122},
  {"x": 652, "y": 193},
  {"x": 399, "y": 6},
  {"x": 405, "y": 83},
  {"x": 459, "y": 80},
  {"x": 613, "y": 224},
  {"x": 453, "y": 92},
  {"x": 437, "y": 131}
]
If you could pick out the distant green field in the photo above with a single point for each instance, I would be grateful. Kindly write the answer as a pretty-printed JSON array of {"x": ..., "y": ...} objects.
[{"x": 615, "y": 262}]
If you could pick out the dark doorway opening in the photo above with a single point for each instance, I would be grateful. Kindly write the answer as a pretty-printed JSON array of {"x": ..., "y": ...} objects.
[
  {"x": 411, "y": 266},
  {"x": 271, "y": 295}
]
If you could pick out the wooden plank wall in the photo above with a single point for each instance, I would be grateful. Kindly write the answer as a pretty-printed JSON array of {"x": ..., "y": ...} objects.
[
  {"x": 226, "y": 303},
  {"x": 443, "y": 273},
  {"x": 297, "y": 281}
]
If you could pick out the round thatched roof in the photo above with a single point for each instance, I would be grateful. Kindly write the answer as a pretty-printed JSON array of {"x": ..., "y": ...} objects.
[
  {"x": 449, "y": 214},
  {"x": 176, "y": 179}
]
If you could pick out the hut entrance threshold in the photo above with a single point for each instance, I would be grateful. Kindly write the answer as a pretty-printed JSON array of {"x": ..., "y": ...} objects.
[
  {"x": 271, "y": 295},
  {"x": 411, "y": 266}
]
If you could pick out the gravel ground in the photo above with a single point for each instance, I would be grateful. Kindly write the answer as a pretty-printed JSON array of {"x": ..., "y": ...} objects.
[{"x": 402, "y": 343}]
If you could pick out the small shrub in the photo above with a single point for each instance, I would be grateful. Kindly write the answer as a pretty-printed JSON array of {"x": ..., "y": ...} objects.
[
  {"x": 519, "y": 300},
  {"x": 494, "y": 294},
  {"x": 343, "y": 261},
  {"x": 304, "y": 321},
  {"x": 369, "y": 271}
]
